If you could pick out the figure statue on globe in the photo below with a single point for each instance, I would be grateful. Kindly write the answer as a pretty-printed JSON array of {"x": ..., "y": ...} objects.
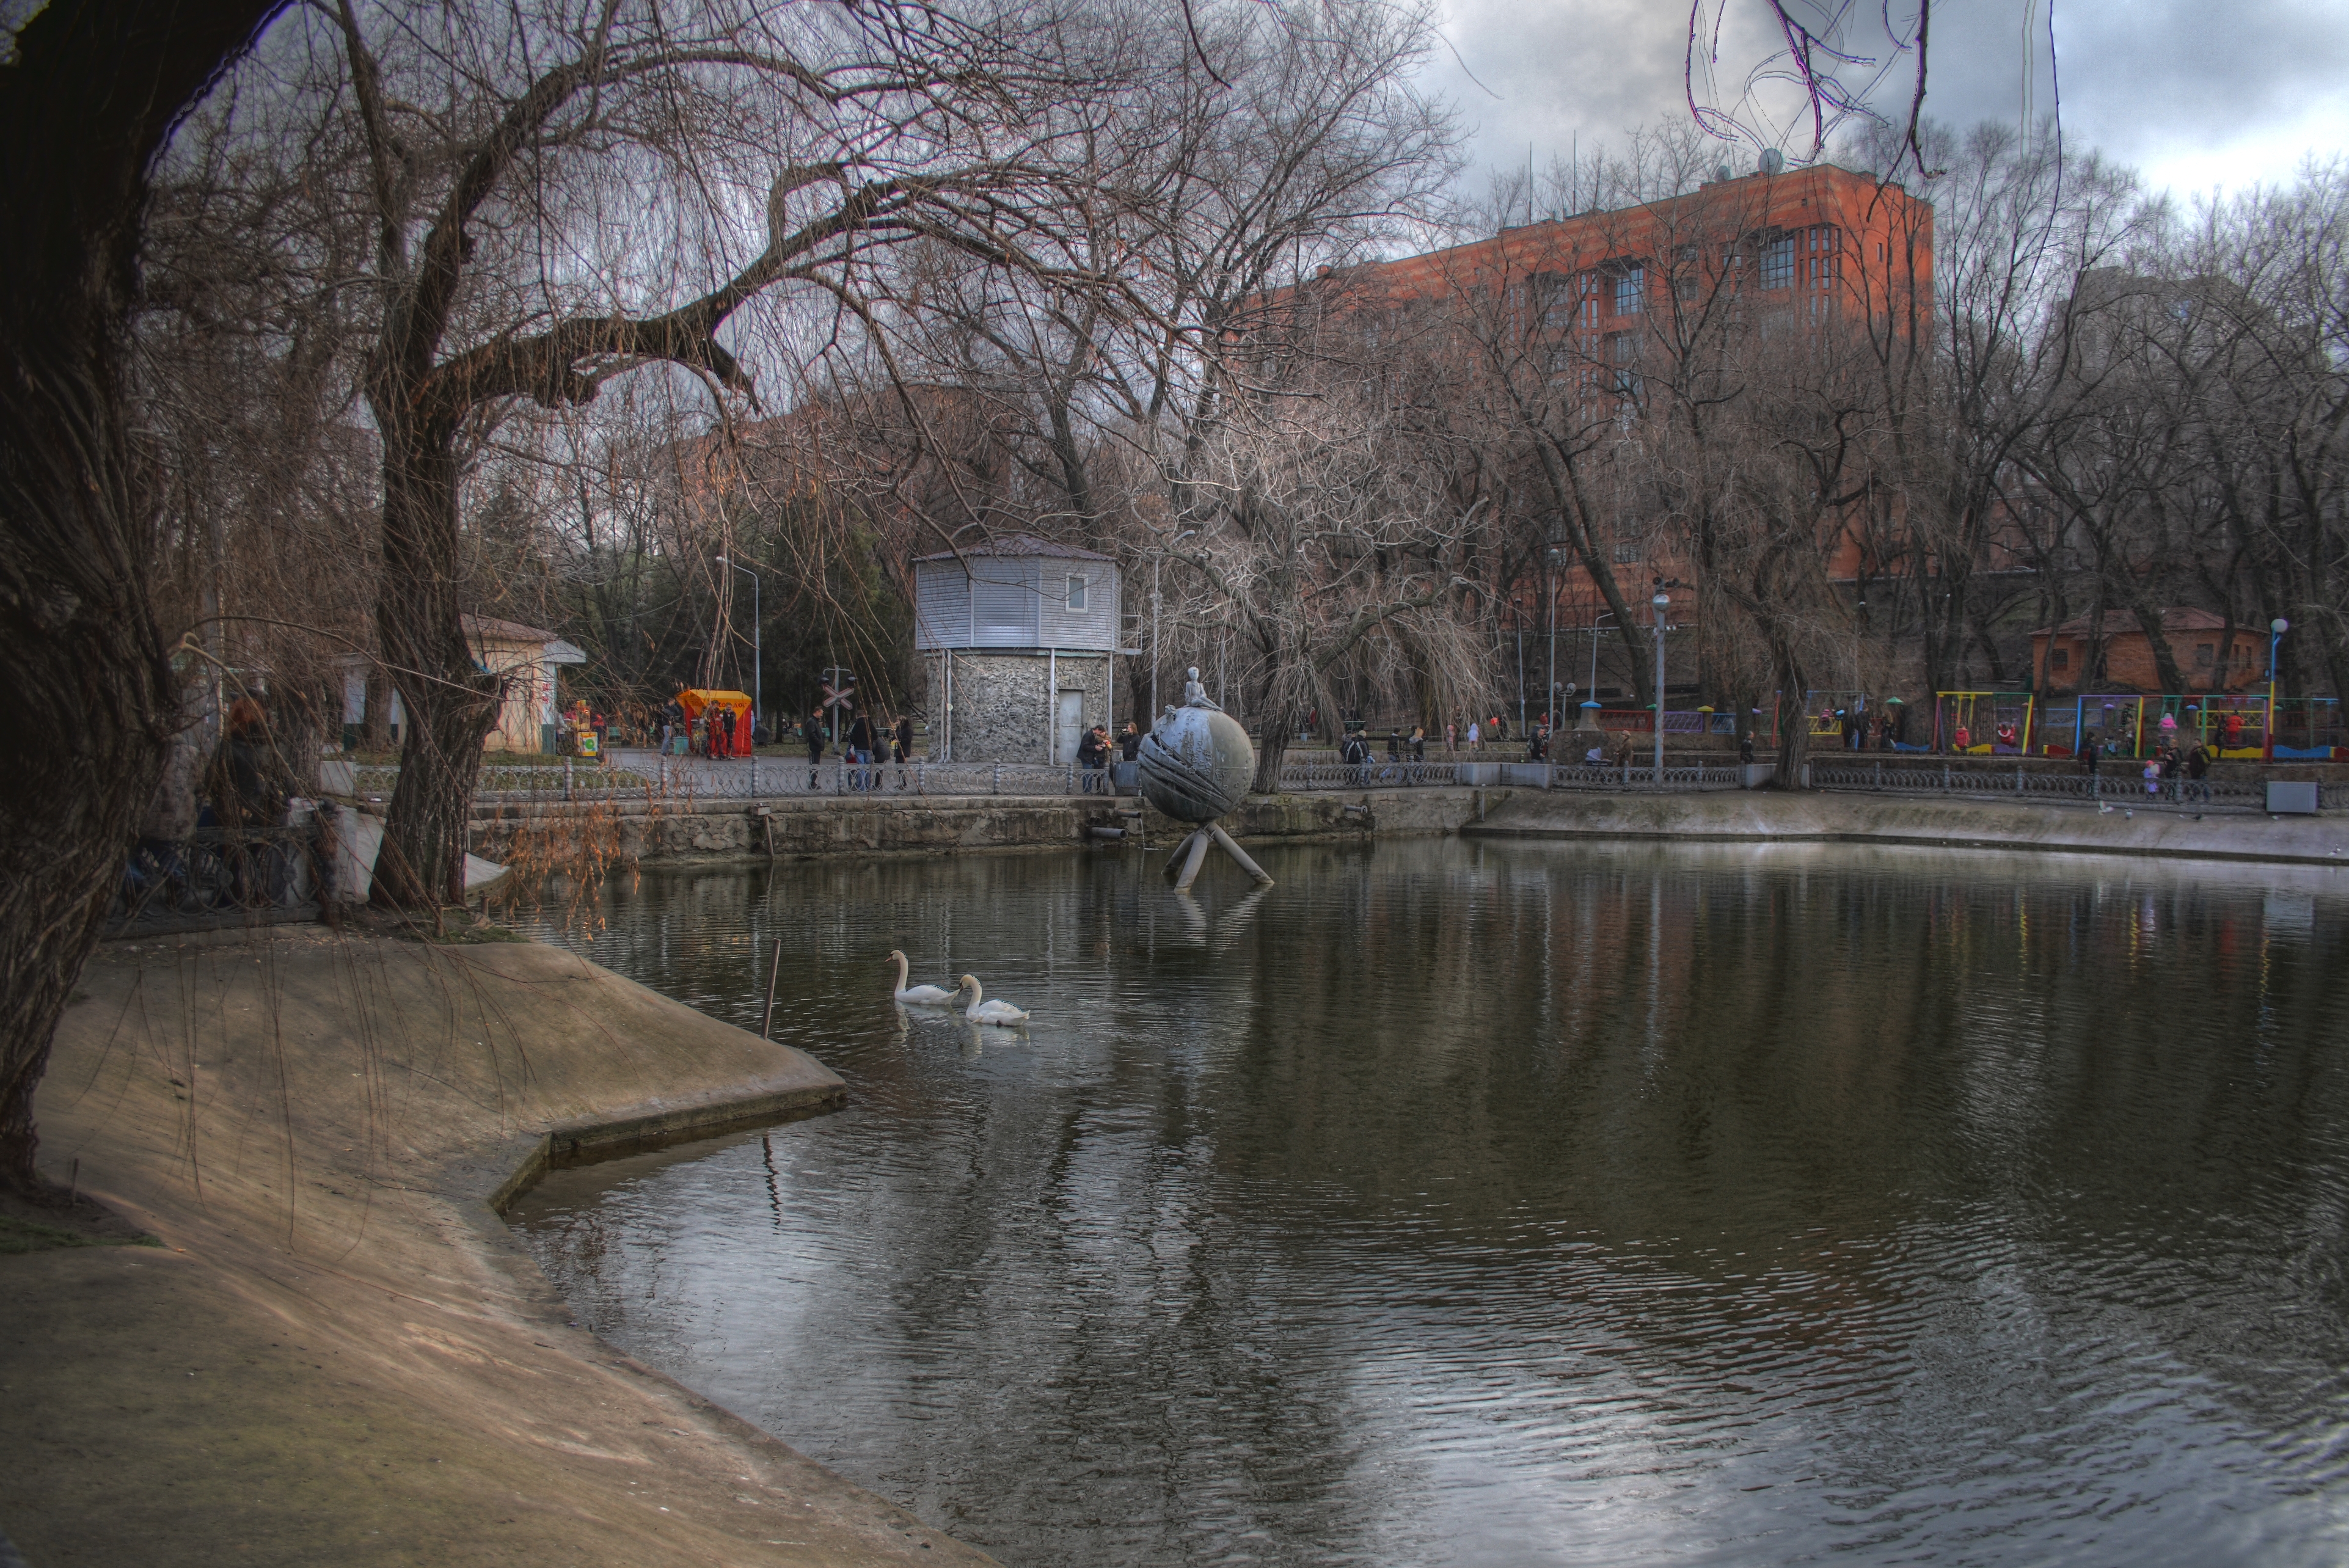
[{"x": 1196, "y": 766}]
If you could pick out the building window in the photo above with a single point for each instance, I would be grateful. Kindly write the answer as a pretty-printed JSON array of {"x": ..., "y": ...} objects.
[
  {"x": 2205, "y": 655},
  {"x": 1824, "y": 245},
  {"x": 1077, "y": 594},
  {"x": 1630, "y": 290},
  {"x": 2060, "y": 659},
  {"x": 1778, "y": 263},
  {"x": 1627, "y": 550},
  {"x": 1623, "y": 350}
]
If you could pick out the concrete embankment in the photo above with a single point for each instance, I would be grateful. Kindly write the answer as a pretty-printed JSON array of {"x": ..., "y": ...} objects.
[
  {"x": 1771, "y": 817},
  {"x": 796, "y": 826},
  {"x": 339, "y": 1354}
]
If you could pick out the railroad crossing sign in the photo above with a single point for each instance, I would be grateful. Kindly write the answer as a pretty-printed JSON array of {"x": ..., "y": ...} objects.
[{"x": 842, "y": 695}]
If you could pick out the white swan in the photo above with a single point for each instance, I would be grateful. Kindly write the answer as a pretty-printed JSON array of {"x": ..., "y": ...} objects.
[
  {"x": 920, "y": 995},
  {"x": 982, "y": 1011}
]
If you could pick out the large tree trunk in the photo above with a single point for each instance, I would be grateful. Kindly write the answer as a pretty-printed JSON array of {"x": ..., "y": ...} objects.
[
  {"x": 84, "y": 109},
  {"x": 1271, "y": 751},
  {"x": 1793, "y": 726},
  {"x": 450, "y": 702}
]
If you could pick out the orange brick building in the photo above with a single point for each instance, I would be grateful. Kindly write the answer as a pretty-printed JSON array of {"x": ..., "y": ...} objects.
[{"x": 1606, "y": 295}]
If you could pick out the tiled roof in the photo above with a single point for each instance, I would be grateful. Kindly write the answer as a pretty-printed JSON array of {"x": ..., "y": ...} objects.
[
  {"x": 2124, "y": 622},
  {"x": 1017, "y": 544},
  {"x": 505, "y": 631}
]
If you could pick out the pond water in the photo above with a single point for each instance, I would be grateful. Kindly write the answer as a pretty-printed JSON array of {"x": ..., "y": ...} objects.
[{"x": 1522, "y": 1203}]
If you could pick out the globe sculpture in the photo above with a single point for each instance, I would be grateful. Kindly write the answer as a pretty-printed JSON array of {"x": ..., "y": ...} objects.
[{"x": 1196, "y": 766}]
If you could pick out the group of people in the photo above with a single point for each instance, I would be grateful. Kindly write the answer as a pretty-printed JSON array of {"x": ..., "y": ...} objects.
[
  {"x": 862, "y": 747},
  {"x": 1093, "y": 753},
  {"x": 2172, "y": 769},
  {"x": 710, "y": 733}
]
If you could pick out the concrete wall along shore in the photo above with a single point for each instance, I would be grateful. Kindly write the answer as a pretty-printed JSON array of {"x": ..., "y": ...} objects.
[{"x": 800, "y": 825}]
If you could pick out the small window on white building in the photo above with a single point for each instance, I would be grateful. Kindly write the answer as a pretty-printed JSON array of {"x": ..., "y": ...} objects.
[{"x": 1077, "y": 593}]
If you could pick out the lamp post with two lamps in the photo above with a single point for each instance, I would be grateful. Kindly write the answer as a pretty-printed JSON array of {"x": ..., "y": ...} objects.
[{"x": 1662, "y": 602}]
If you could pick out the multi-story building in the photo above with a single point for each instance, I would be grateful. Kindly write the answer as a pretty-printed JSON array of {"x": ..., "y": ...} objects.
[{"x": 1602, "y": 303}]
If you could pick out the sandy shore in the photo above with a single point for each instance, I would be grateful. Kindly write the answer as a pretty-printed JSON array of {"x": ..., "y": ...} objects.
[{"x": 339, "y": 1353}]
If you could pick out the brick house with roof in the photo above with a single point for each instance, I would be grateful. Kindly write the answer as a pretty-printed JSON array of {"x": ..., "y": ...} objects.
[{"x": 2212, "y": 655}]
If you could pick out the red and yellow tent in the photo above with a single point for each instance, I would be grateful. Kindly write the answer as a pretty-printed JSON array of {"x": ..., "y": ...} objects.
[{"x": 699, "y": 704}]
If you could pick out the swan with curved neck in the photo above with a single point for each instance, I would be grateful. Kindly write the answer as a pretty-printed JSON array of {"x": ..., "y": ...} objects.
[
  {"x": 982, "y": 1011},
  {"x": 919, "y": 995}
]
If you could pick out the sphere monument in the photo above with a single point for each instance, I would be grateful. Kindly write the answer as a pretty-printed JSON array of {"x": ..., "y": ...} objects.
[{"x": 1196, "y": 764}]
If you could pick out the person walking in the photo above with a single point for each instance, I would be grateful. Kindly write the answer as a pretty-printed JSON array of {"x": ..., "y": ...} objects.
[
  {"x": 812, "y": 731},
  {"x": 1473, "y": 733},
  {"x": 905, "y": 738},
  {"x": 1451, "y": 736},
  {"x": 860, "y": 749},
  {"x": 1419, "y": 743}
]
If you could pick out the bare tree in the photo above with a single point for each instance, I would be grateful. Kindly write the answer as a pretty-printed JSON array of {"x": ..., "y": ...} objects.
[
  {"x": 88, "y": 99},
  {"x": 564, "y": 212}
]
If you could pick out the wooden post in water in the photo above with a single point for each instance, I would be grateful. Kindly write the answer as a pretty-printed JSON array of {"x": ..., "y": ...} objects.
[{"x": 766, "y": 1023}]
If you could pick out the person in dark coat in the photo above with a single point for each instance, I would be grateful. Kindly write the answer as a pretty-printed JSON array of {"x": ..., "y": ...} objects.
[
  {"x": 905, "y": 738},
  {"x": 725, "y": 722},
  {"x": 1093, "y": 756},
  {"x": 247, "y": 784},
  {"x": 812, "y": 731}
]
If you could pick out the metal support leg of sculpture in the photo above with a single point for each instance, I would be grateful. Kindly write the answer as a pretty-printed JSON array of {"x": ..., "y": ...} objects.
[
  {"x": 1239, "y": 854},
  {"x": 1193, "y": 861},
  {"x": 1182, "y": 847}
]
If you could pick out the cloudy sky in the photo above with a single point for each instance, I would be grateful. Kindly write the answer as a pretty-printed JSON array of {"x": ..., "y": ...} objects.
[{"x": 2194, "y": 94}]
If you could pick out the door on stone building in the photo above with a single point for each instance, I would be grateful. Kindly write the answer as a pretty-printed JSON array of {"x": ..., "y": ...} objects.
[{"x": 1070, "y": 733}]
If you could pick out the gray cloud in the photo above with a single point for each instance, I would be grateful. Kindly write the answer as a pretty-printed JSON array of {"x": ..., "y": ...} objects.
[{"x": 2187, "y": 91}]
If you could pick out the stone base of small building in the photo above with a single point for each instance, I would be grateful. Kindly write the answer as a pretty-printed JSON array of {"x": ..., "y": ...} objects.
[{"x": 1002, "y": 706}]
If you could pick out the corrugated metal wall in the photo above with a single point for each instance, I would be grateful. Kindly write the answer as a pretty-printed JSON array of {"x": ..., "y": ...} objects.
[{"x": 1014, "y": 602}]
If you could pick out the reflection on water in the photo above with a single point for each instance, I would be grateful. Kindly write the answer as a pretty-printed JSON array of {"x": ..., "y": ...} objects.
[{"x": 1523, "y": 1204}]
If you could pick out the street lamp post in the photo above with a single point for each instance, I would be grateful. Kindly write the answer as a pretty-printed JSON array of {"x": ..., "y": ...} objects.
[
  {"x": 1517, "y": 615},
  {"x": 1549, "y": 590},
  {"x": 2276, "y": 629},
  {"x": 1662, "y": 602},
  {"x": 758, "y": 672}
]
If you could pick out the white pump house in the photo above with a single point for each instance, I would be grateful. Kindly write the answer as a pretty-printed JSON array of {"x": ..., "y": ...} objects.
[{"x": 1018, "y": 635}]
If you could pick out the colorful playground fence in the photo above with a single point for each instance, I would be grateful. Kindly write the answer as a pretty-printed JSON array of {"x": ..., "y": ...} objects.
[{"x": 2234, "y": 725}]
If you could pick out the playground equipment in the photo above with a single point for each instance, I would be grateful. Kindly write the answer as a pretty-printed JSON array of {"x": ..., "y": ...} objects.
[
  {"x": 1984, "y": 723},
  {"x": 1823, "y": 712},
  {"x": 2235, "y": 725},
  {"x": 2308, "y": 728}
]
